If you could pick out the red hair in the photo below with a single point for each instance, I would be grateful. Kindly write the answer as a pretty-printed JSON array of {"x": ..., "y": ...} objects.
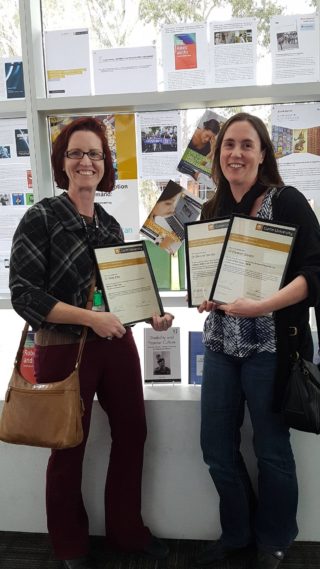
[{"x": 60, "y": 146}]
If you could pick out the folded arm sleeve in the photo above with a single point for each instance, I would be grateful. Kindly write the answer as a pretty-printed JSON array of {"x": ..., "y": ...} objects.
[{"x": 29, "y": 266}]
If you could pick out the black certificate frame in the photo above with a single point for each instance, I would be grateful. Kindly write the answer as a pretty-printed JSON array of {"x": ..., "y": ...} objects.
[
  {"x": 130, "y": 245},
  {"x": 215, "y": 220},
  {"x": 259, "y": 220}
]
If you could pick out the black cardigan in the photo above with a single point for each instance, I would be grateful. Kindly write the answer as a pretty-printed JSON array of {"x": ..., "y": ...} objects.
[{"x": 290, "y": 205}]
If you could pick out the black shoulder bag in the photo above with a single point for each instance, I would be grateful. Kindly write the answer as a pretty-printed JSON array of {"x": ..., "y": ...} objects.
[{"x": 301, "y": 408}]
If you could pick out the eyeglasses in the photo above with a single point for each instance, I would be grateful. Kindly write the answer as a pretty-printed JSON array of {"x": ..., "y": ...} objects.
[{"x": 79, "y": 154}]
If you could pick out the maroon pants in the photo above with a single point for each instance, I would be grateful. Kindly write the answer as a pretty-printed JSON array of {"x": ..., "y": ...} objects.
[{"x": 111, "y": 369}]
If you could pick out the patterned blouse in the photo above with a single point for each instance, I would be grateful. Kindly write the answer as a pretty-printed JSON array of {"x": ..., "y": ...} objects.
[{"x": 242, "y": 337}]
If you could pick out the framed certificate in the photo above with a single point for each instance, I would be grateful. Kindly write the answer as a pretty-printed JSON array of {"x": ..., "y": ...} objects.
[
  {"x": 128, "y": 284},
  {"x": 253, "y": 260},
  {"x": 204, "y": 241}
]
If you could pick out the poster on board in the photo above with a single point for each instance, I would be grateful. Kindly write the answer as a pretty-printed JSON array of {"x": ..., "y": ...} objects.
[{"x": 122, "y": 202}]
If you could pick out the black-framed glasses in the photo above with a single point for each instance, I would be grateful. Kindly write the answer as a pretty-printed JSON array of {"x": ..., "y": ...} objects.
[{"x": 79, "y": 154}]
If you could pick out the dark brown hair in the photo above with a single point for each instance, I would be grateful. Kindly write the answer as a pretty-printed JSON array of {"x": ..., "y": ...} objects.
[
  {"x": 212, "y": 125},
  {"x": 106, "y": 184},
  {"x": 268, "y": 173}
]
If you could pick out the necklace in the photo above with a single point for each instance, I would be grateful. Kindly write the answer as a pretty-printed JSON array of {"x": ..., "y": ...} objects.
[{"x": 88, "y": 221}]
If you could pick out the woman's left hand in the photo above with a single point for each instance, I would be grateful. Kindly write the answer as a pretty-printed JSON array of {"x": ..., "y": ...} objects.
[
  {"x": 292, "y": 293},
  {"x": 244, "y": 307},
  {"x": 162, "y": 323}
]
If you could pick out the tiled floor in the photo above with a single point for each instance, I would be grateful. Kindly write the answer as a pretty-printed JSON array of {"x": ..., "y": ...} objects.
[{"x": 33, "y": 551}]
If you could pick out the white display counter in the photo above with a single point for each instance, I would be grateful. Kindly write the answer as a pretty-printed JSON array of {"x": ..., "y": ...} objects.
[{"x": 179, "y": 499}]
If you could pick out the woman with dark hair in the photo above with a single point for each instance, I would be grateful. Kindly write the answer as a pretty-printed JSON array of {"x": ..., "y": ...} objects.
[
  {"x": 51, "y": 268},
  {"x": 247, "y": 354}
]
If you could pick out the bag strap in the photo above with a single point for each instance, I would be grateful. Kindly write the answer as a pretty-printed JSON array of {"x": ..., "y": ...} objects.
[
  {"x": 83, "y": 337},
  {"x": 317, "y": 313},
  {"x": 21, "y": 345}
]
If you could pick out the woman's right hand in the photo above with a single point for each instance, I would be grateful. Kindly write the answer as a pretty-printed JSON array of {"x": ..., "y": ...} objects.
[
  {"x": 107, "y": 325},
  {"x": 207, "y": 306}
]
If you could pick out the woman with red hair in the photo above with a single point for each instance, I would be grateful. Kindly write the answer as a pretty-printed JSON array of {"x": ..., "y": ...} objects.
[{"x": 51, "y": 268}]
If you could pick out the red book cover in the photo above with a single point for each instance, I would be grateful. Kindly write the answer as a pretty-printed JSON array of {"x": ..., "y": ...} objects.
[
  {"x": 26, "y": 366},
  {"x": 185, "y": 51}
]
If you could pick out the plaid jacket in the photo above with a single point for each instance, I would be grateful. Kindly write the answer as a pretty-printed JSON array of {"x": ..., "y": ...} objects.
[{"x": 51, "y": 259}]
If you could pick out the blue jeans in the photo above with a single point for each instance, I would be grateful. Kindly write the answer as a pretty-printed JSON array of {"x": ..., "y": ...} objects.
[{"x": 270, "y": 518}]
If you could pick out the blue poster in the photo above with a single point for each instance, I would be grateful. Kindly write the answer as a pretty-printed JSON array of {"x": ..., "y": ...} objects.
[{"x": 14, "y": 80}]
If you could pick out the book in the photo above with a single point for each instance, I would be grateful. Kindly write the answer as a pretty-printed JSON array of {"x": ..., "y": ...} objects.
[
  {"x": 165, "y": 223},
  {"x": 162, "y": 363},
  {"x": 185, "y": 51},
  {"x": 198, "y": 156},
  {"x": 27, "y": 360},
  {"x": 196, "y": 354}
]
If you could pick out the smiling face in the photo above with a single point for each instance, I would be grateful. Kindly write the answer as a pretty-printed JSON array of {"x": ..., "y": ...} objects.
[
  {"x": 84, "y": 174},
  {"x": 240, "y": 156}
]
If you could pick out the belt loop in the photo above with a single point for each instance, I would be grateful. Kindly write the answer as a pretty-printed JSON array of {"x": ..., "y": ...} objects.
[{"x": 293, "y": 331}]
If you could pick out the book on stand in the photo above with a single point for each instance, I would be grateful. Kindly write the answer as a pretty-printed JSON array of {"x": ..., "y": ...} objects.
[
  {"x": 162, "y": 363},
  {"x": 196, "y": 354}
]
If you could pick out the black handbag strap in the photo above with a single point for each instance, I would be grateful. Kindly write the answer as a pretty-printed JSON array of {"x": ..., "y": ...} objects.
[
  {"x": 83, "y": 336},
  {"x": 317, "y": 313}
]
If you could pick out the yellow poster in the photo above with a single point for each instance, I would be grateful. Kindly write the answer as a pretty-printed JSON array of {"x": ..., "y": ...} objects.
[{"x": 122, "y": 203}]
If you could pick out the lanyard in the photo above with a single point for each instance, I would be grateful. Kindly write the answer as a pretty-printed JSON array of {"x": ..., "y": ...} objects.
[{"x": 92, "y": 230}]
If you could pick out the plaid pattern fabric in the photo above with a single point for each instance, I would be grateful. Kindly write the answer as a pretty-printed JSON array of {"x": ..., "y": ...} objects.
[{"x": 52, "y": 260}]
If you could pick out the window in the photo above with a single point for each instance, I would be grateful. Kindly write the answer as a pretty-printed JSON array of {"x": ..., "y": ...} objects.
[{"x": 10, "y": 37}]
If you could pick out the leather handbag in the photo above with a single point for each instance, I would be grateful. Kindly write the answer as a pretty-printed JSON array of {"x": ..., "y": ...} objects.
[
  {"x": 43, "y": 414},
  {"x": 301, "y": 407}
]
